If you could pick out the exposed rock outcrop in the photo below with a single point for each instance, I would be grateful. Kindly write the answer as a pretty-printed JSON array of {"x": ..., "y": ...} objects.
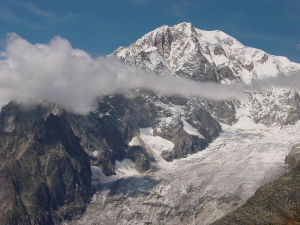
[{"x": 45, "y": 175}]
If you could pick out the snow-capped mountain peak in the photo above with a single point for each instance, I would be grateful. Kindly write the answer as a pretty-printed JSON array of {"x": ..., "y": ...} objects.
[{"x": 192, "y": 52}]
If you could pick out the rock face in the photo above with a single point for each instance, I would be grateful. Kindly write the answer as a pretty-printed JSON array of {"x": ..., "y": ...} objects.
[
  {"x": 46, "y": 153},
  {"x": 277, "y": 107},
  {"x": 106, "y": 133},
  {"x": 274, "y": 203},
  {"x": 45, "y": 175}
]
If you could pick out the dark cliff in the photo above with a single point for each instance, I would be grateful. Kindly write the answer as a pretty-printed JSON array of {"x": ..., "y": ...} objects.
[{"x": 45, "y": 174}]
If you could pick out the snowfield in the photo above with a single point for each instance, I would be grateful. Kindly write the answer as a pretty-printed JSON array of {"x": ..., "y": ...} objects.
[{"x": 200, "y": 188}]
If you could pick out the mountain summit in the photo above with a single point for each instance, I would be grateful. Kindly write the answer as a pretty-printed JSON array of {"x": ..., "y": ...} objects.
[{"x": 202, "y": 55}]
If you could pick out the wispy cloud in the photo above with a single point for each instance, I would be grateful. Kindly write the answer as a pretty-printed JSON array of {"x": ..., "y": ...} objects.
[
  {"x": 10, "y": 11},
  {"x": 298, "y": 46},
  {"x": 8, "y": 15},
  {"x": 177, "y": 10},
  {"x": 180, "y": 8},
  {"x": 47, "y": 15}
]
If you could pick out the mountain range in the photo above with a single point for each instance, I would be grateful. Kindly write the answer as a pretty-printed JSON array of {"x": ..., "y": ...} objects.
[{"x": 143, "y": 158}]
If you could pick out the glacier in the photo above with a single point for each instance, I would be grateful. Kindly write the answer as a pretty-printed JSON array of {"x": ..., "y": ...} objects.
[
  {"x": 257, "y": 134},
  {"x": 202, "y": 187}
]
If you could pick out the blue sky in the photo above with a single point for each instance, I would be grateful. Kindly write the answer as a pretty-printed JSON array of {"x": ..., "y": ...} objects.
[{"x": 100, "y": 26}]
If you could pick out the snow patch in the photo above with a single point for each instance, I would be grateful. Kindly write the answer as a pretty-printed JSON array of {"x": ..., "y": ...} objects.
[
  {"x": 95, "y": 153},
  {"x": 246, "y": 122},
  {"x": 125, "y": 168},
  {"x": 135, "y": 141},
  {"x": 155, "y": 145},
  {"x": 189, "y": 129}
]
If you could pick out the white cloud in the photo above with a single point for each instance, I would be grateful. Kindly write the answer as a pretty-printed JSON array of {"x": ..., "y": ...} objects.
[{"x": 55, "y": 72}]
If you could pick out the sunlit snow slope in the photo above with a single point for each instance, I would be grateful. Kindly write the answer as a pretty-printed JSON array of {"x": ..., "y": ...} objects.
[{"x": 202, "y": 55}]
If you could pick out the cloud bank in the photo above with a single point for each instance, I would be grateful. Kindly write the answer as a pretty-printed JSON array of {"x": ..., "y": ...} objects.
[{"x": 34, "y": 73}]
